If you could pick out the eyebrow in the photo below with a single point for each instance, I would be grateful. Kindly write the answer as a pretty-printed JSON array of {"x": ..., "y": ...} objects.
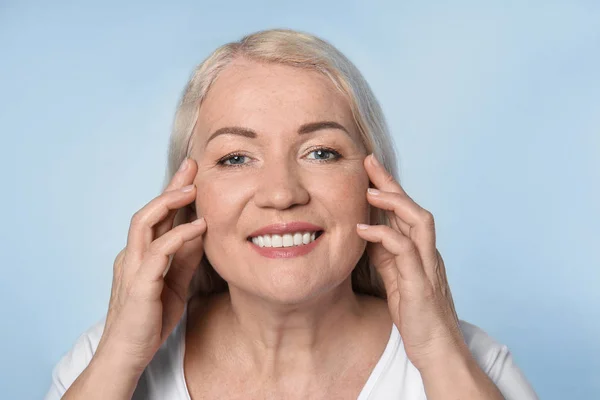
[{"x": 305, "y": 128}]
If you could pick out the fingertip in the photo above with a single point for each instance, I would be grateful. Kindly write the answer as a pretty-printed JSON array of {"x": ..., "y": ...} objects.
[
  {"x": 185, "y": 174},
  {"x": 365, "y": 233},
  {"x": 184, "y": 165},
  {"x": 192, "y": 167},
  {"x": 374, "y": 161},
  {"x": 373, "y": 167},
  {"x": 199, "y": 222},
  {"x": 373, "y": 200}
]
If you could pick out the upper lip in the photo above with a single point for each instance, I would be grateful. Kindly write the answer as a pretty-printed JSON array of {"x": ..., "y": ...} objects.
[{"x": 286, "y": 227}]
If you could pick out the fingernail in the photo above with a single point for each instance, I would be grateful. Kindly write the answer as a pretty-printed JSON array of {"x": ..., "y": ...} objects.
[
  {"x": 375, "y": 161},
  {"x": 183, "y": 165},
  {"x": 373, "y": 191},
  {"x": 198, "y": 221},
  {"x": 362, "y": 227},
  {"x": 187, "y": 188}
]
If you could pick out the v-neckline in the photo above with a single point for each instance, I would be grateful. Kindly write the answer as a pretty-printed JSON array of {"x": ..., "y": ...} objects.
[{"x": 385, "y": 359}]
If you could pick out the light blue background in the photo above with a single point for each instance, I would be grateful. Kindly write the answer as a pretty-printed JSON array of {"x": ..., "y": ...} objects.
[{"x": 494, "y": 106}]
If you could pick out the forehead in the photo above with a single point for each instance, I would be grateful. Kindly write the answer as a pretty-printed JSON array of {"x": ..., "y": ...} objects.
[{"x": 266, "y": 96}]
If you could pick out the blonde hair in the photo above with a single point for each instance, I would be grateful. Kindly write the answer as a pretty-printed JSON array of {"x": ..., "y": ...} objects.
[{"x": 301, "y": 50}]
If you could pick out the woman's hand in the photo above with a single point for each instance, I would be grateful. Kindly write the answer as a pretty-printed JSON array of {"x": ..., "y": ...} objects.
[
  {"x": 413, "y": 272},
  {"x": 145, "y": 304}
]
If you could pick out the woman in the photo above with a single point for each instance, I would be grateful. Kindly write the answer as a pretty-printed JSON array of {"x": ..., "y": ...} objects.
[{"x": 283, "y": 260}]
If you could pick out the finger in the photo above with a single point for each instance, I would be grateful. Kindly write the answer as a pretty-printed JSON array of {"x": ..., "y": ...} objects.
[
  {"x": 184, "y": 264},
  {"x": 160, "y": 251},
  {"x": 396, "y": 222},
  {"x": 380, "y": 177},
  {"x": 385, "y": 264},
  {"x": 407, "y": 261},
  {"x": 141, "y": 233},
  {"x": 415, "y": 222},
  {"x": 190, "y": 254},
  {"x": 184, "y": 174},
  {"x": 183, "y": 177},
  {"x": 385, "y": 181},
  {"x": 444, "y": 285}
]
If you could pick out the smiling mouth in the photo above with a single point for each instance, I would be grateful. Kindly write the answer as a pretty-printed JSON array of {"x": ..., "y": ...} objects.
[{"x": 292, "y": 239}]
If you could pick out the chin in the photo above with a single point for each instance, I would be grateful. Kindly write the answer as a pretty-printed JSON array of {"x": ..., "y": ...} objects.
[
  {"x": 286, "y": 281},
  {"x": 290, "y": 288}
]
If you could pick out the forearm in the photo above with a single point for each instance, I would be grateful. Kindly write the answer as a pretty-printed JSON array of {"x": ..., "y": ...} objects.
[
  {"x": 103, "y": 379},
  {"x": 458, "y": 377}
]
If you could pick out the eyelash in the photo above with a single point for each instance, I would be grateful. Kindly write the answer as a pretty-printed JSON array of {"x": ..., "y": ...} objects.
[
  {"x": 229, "y": 156},
  {"x": 335, "y": 153}
]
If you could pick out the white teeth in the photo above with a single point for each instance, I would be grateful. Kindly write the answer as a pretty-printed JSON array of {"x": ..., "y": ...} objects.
[
  {"x": 285, "y": 240},
  {"x": 306, "y": 238},
  {"x": 297, "y": 239},
  {"x": 267, "y": 240},
  {"x": 276, "y": 241},
  {"x": 288, "y": 240}
]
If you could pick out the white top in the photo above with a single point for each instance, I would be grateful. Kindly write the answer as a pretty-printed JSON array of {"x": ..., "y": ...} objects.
[{"x": 393, "y": 378}]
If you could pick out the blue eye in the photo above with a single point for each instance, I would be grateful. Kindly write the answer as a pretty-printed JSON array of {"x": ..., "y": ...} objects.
[
  {"x": 235, "y": 159},
  {"x": 324, "y": 155}
]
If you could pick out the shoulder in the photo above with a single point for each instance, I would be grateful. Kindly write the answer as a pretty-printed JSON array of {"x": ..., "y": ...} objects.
[
  {"x": 396, "y": 377},
  {"x": 161, "y": 379},
  {"x": 496, "y": 360},
  {"x": 74, "y": 361},
  {"x": 484, "y": 348}
]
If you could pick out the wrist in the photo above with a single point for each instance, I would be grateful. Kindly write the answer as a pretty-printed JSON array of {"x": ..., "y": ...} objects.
[
  {"x": 103, "y": 379},
  {"x": 112, "y": 355},
  {"x": 457, "y": 375},
  {"x": 112, "y": 358},
  {"x": 450, "y": 356},
  {"x": 112, "y": 377}
]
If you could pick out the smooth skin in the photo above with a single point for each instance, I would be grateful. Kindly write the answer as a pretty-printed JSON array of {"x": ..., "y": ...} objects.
[
  {"x": 286, "y": 325},
  {"x": 284, "y": 328}
]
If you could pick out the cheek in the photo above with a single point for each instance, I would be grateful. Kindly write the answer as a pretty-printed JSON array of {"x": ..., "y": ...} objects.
[
  {"x": 216, "y": 194},
  {"x": 220, "y": 202},
  {"x": 346, "y": 193}
]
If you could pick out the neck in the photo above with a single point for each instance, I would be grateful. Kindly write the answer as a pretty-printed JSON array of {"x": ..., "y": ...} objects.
[
  {"x": 305, "y": 325},
  {"x": 279, "y": 338}
]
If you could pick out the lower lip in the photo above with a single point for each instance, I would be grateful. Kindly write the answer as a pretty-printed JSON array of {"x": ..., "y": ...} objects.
[{"x": 286, "y": 252}]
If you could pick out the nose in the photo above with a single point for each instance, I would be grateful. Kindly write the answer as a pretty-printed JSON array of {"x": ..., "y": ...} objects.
[{"x": 281, "y": 187}]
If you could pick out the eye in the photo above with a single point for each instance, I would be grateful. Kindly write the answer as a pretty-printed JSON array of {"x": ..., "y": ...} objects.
[
  {"x": 324, "y": 154},
  {"x": 233, "y": 159}
]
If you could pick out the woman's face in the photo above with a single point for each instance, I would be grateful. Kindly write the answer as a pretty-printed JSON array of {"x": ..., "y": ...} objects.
[{"x": 279, "y": 158}]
